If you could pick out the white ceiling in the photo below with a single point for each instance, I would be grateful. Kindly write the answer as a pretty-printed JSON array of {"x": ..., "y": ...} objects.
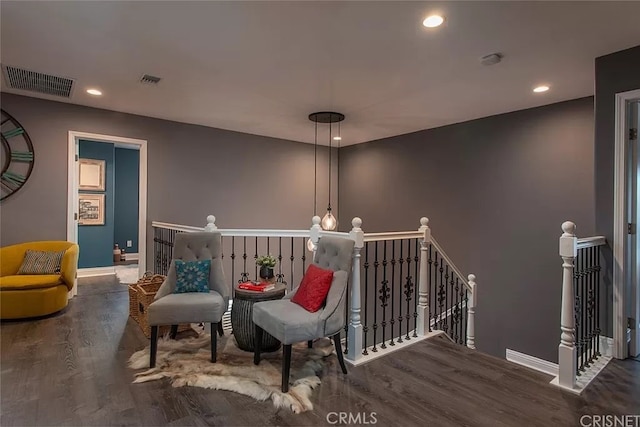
[{"x": 262, "y": 67}]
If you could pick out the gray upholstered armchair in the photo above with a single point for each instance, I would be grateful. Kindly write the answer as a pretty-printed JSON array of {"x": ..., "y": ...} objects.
[
  {"x": 169, "y": 308},
  {"x": 290, "y": 323}
]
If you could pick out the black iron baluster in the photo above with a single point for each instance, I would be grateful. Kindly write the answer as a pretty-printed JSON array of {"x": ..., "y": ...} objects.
[
  {"x": 465, "y": 316},
  {"x": 585, "y": 313},
  {"x": 384, "y": 295},
  {"x": 451, "y": 301},
  {"x": 447, "y": 313},
  {"x": 400, "y": 316},
  {"x": 255, "y": 259},
  {"x": 233, "y": 262},
  {"x": 292, "y": 258},
  {"x": 598, "y": 302},
  {"x": 279, "y": 276},
  {"x": 441, "y": 295},
  {"x": 592, "y": 306},
  {"x": 408, "y": 292},
  {"x": 392, "y": 321},
  {"x": 365, "y": 327},
  {"x": 375, "y": 292},
  {"x": 244, "y": 277},
  {"x": 430, "y": 263},
  {"x": 304, "y": 254},
  {"x": 416, "y": 263},
  {"x": 456, "y": 312}
]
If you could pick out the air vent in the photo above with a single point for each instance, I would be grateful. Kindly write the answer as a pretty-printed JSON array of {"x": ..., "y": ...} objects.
[
  {"x": 149, "y": 79},
  {"x": 18, "y": 78}
]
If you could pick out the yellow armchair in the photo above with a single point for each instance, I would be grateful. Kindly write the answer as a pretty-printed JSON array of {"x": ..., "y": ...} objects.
[{"x": 23, "y": 296}]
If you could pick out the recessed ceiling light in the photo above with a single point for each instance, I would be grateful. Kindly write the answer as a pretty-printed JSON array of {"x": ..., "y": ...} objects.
[
  {"x": 337, "y": 138},
  {"x": 433, "y": 21},
  {"x": 540, "y": 89},
  {"x": 94, "y": 92}
]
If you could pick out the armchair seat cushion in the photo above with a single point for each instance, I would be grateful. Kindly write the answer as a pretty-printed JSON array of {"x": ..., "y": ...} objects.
[
  {"x": 27, "y": 281},
  {"x": 174, "y": 309},
  {"x": 287, "y": 321}
]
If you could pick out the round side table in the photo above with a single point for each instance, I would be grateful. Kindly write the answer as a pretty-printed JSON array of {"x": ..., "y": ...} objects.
[{"x": 242, "y": 317}]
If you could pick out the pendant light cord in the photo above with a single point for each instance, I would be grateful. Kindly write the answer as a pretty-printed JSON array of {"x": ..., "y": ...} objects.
[
  {"x": 315, "y": 170},
  {"x": 330, "y": 122},
  {"x": 338, "y": 169}
]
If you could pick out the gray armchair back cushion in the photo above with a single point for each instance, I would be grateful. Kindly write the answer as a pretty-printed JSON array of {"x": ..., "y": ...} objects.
[
  {"x": 334, "y": 253},
  {"x": 198, "y": 246}
]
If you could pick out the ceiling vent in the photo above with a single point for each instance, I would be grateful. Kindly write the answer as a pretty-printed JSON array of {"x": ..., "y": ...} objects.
[
  {"x": 48, "y": 84},
  {"x": 149, "y": 79}
]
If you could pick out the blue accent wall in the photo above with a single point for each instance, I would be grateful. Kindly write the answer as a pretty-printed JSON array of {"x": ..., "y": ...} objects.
[
  {"x": 96, "y": 241},
  {"x": 127, "y": 176}
]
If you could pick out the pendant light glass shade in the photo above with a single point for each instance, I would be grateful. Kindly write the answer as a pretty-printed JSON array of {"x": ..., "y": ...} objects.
[
  {"x": 329, "y": 222},
  {"x": 310, "y": 245}
]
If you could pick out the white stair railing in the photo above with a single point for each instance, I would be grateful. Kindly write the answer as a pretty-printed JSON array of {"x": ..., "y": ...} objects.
[
  {"x": 404, "y": 278},
  {"x": 580, "y": 332}
]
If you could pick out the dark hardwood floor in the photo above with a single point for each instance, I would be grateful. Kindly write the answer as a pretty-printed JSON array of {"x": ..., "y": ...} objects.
[{"x": 70, "y": 370}]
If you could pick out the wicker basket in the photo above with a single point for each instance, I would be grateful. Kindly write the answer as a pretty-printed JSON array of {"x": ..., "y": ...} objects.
[
  {"x": 133, "y": 302},
  {"x": 145, "y": 292}
]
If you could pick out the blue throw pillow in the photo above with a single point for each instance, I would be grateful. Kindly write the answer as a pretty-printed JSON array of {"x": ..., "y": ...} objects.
[{"x": 192, "y": 276}]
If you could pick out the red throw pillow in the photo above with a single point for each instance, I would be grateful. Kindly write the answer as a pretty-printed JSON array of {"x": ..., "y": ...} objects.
[{"x": 314, "y": 288}]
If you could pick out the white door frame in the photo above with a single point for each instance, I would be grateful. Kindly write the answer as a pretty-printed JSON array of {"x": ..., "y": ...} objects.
[
  {"x": 72, "y": 186},
  {"x": 620, "y": 186}
]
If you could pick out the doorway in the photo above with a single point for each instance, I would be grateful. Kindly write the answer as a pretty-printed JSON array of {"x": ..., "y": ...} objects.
[
  {"x": 97, "y": 197},
  {"x": 626, "y": 242}
]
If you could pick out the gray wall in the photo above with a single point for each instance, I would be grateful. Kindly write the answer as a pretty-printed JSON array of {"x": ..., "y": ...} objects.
[
  {"x": 247, "y": 181},
  {"x": 496, "y": 191}
]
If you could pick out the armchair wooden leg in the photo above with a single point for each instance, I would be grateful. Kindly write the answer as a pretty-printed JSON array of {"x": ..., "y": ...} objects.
[
  {"x": 310, "y": 344},
  {"x": 257, "y": 344},
  {"x": 338, "y": 345},
  {"x": 220, "y": 330},
  {"x": 154, "y": 347},
  {"x": 286, "y": 365},
  {"x": 214, "y": 343},
  {"x": 174, "y": 332}
]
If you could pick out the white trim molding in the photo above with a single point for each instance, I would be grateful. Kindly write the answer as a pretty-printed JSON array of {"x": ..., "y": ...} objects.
[
  {"x": 532, "y": 362},
  {"x": 96, "y": 271},
  {"x": 72, "y": 187},
  {"x": 620, "y": 224}
]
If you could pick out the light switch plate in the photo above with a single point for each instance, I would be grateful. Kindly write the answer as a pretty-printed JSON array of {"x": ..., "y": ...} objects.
[{"x": 129, "y": 243}]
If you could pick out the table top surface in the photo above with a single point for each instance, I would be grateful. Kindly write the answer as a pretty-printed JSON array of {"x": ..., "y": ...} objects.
[{"x": 275, "y": 293}]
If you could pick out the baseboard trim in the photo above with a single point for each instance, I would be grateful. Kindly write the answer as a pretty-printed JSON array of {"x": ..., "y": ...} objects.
[
  {"x": 96, "y": 271},
  {"x": 132, "y": 256},
  {"x": 532, "y": 362}
]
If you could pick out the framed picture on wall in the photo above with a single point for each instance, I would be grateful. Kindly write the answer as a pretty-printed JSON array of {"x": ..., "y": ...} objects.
[
  {"x": 91, "y": 177},
  {"x": 91, "y": 209}
]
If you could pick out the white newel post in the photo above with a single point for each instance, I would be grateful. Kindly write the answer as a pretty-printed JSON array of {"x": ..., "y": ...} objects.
[
  {"x": 314, "y": 233},
  {"x": 423, "y": 285},
  {"x": 211, "y": 224},
  {"x": 471, "y": 313},
  {"x": 354, "y": 349},
  {"x": 567, "y": 348}
]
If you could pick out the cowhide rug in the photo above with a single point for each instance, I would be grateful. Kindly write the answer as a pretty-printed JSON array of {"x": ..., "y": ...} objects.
[{"x": 186, "y": 362}]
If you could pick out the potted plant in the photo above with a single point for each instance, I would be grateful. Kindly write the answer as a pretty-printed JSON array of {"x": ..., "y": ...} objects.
[{"x": 266, "y": 263}]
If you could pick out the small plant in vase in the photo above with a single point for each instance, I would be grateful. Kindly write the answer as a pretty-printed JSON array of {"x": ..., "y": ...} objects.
[{"x": 267, "y": 264}]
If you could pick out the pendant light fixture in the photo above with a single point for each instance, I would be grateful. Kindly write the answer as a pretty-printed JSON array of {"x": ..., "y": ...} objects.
[
  {"x": 329, "y": 221},
  {"x": 315, "y": 181}
]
